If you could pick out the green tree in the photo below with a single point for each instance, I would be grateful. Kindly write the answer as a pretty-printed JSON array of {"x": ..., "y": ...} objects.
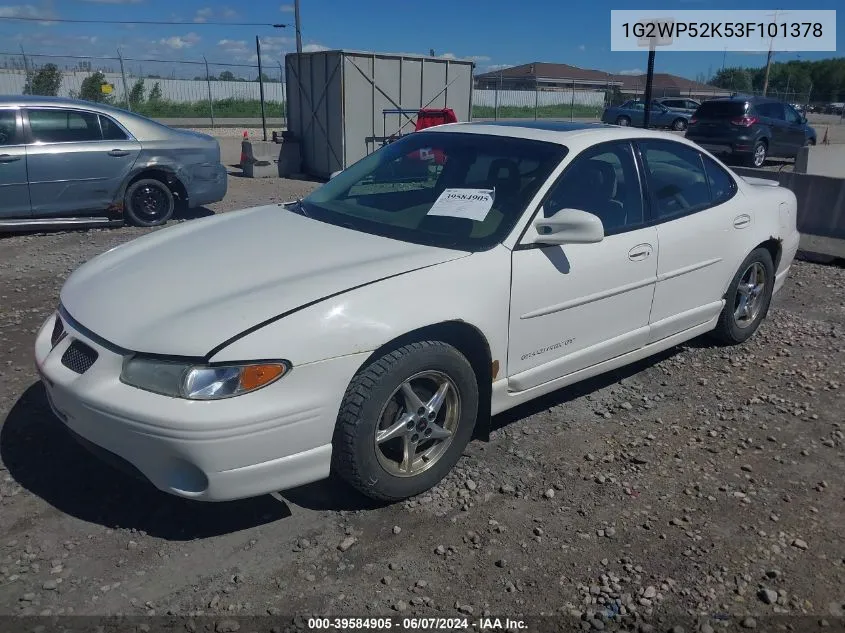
[
  {"x": 227, "y": 75},
  {"x": 136, "y": 94},
  {"x": 736, "y": 79},
  {"x": 45, "y": 81},
  {"x": 155, "y": 94},
  {"x": 91, "y": 88}
]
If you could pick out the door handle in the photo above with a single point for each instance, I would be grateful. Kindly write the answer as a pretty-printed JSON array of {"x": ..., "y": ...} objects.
[
  {"x": 8, "y": 158},
  {"x": 741, "y": 221},
  {"x": 119, "y": 152},
  {"x": 639, "y": 252}
]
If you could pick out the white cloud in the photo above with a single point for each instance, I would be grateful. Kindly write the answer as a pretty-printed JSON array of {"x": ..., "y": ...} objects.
[
  {"x": 230, "y": 13},
  {"x": 287, "y": 8},
  {"x": 479, "y": 58},
  {"x": 314, "y": 48},
  {"x": 475, "y": 58},
  {"x": 582, "y": 47},
  {"x": 275, "y": 44},
  {"x": 233, "y": 46},
  {"x": 493, "y": 67},
  {"x": 203, "y": 14},
  {"x": 632, "y": 71},
  {"x": 447, "y": 56},
  {"x": 178, "y": 42},
  {"x": 114, "y": 1},
  {"x": 24, "y": 11}
]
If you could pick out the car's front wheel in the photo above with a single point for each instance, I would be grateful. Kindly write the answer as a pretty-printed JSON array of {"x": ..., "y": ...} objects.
[
  {"x": 623, "y": 121},
  {"x": 148, "y": 202},
  {"x": 405, "y": 419},
  {"x": 748, "y": 298}
]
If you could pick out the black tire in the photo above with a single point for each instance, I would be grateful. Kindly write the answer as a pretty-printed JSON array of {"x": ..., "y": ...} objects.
[
  {"x": 623, "y": 121},
  {"x": 148, "y": 202},
  {"x": 355, "y": 454},
  {"x": 728, "y": 329},
  {"x": 758, "y": 155},
  {"x": 679, "y": 125}
]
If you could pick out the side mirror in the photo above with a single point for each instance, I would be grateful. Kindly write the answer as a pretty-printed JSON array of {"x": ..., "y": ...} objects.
[{"x": 569, "y": 226}]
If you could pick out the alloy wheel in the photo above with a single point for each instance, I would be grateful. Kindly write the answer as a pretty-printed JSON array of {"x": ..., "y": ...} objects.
[
  {"x": 417, "y": 424},
  {"x": 750, "y": 294}
]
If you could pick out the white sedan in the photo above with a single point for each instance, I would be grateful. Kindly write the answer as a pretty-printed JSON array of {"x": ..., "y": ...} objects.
[{"x": 372, "y": 328}]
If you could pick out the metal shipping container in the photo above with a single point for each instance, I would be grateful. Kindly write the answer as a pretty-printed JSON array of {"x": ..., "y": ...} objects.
[{"x": 339, "y": 102}]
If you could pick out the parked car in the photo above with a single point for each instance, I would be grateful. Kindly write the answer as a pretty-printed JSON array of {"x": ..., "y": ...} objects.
[
  {"x": 65, "y": 162},
  {"x": 632, "y": 113},
  {"x": 750, "y": 128},
  {"x": 679, "y": 104},
  {"x": 376, "y": 325}
]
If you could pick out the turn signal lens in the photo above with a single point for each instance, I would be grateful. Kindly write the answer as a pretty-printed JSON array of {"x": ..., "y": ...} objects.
[{"x": 255, "y": 376}]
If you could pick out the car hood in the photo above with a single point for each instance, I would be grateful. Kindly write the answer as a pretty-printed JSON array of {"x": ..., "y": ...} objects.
[{"x": 185, "y": 290}]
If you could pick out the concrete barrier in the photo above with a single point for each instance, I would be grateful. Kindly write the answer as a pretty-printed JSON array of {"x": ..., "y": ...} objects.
[
  {"x": 821, "y": 208},
  {"x": 821, "y": 160}
]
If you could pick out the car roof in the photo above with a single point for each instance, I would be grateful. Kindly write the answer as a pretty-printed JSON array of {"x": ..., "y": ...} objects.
[
  {"x": 573, "y": 134},
  {"x": 34, "y": 100}
]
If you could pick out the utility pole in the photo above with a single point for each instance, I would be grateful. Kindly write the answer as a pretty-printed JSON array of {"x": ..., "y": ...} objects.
[
  {"x": 298, "y": 30},
  {"x": 769, "y": 59},
  {"x": 648, "y": 81},
  {"x": 261, "y": 86}
]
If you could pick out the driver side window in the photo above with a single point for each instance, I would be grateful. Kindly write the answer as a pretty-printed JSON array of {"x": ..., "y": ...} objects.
[{"x": 602, "y": 181}]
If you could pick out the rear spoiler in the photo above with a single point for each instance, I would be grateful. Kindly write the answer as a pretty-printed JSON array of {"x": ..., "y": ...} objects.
[{"x": 760, "y": 182}]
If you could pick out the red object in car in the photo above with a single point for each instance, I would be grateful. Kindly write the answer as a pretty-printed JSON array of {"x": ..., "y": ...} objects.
[{"x": 429, "y": 117}]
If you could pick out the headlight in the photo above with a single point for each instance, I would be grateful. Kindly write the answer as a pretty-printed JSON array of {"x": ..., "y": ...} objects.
[{"x": 200, "y": 382}]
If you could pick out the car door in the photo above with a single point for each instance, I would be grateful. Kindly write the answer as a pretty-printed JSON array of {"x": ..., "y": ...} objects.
[
  {"x": 701, "y": 221},
  {"x": 796, "y": 135},
  {"x": 77, "y": 160},
  {"x": 14, "y": 188},
  {"x": 772, "y": 115},
  {"x": 576, "y": 305}
]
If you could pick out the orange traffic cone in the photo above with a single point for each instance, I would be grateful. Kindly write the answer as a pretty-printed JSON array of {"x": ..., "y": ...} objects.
[{"x": 243, "y": 153}]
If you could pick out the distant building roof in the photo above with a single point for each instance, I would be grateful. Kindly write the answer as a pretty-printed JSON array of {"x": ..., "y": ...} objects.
[{"x": 541, "y": 71}]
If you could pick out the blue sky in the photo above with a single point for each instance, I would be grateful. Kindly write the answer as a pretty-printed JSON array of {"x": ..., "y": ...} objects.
[{"x": 494, "y": 34}]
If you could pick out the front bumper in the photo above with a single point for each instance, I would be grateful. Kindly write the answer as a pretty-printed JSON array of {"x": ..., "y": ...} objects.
[{"x": 272, "y": 439}]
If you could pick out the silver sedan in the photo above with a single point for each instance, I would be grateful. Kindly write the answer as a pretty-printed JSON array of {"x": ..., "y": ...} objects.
[{"x": 70, "y": 162}]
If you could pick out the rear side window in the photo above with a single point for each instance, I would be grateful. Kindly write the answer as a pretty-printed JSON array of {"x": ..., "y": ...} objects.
[
  {"x": 676, "y": 178},
  {"x": 722, "y": 186},
  {"x": 720, "y": 109},
  {"x": 63, "y": 126},
  {"x": 769, "y": 110},
  {"x": 111, "y": 130},
  {"x": 8, "y": 127}
]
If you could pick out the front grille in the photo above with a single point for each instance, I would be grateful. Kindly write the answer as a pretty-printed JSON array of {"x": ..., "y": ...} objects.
[
  {"x": 58, "y": 331},
  {"x": 79, "y": 357}
]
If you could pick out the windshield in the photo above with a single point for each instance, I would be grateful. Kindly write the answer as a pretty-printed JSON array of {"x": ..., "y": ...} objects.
[{"x": 447, "y": 189}]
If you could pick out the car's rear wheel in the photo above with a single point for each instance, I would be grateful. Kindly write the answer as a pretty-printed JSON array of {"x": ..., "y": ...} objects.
[
  {"x": 757, "y": 158},
  {"x": 679, "y": 124},
  {"x": 748, "y": 298},
  {"x": 405, "y": 419},
  {"x": 623, "y": 121},
  {"x": 148, "y": 202}
]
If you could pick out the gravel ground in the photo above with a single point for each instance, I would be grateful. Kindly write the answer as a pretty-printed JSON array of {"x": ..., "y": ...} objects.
[{"x": 704, "y": 481}]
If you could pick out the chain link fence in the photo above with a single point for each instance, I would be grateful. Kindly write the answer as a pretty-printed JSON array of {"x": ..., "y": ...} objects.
[
  {"x": 162, "y": 89},
  {"x": 217, "y": 93}
]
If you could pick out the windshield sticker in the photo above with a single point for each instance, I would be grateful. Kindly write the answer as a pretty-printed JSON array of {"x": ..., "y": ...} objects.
[{"x": 471, "y": 204}]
